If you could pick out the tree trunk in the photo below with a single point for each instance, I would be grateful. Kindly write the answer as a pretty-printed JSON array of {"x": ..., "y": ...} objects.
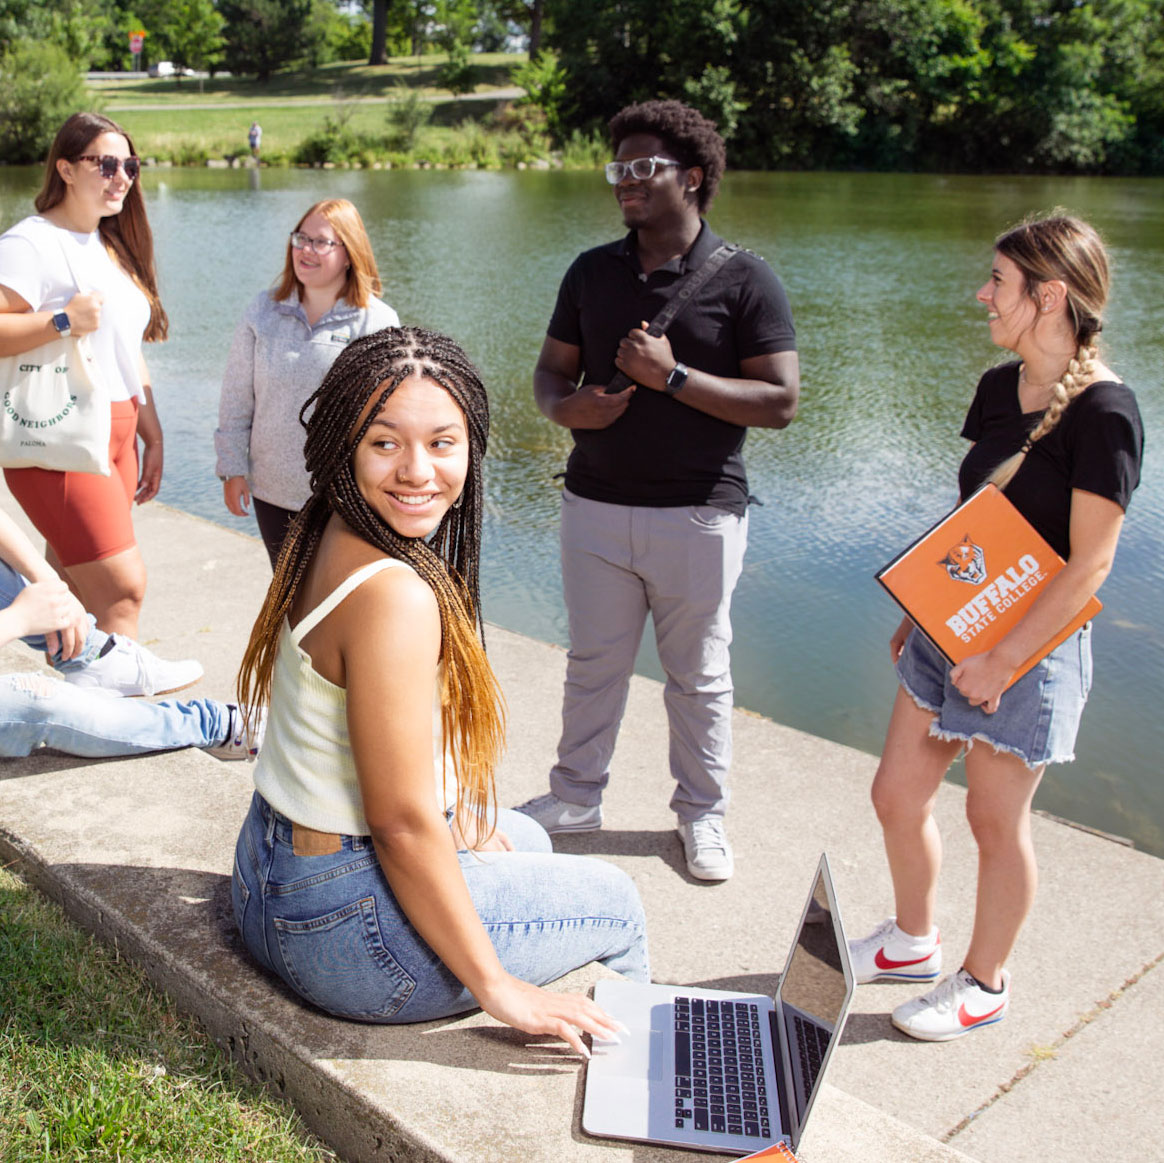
[
  {"x": 535, "y": 29},
  {"x": 379, "y": 55}
]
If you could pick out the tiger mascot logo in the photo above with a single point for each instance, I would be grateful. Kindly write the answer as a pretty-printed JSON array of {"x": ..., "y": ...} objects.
[{"x": 965, "y": 562}]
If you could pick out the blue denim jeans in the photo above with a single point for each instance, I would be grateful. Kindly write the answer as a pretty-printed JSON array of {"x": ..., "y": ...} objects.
[
  {"x": 331, "y": 928},
  {"x": 11, "y": 583},
  {"x": 1037, "y": 718},
  {"x": 37, "y": 710}
]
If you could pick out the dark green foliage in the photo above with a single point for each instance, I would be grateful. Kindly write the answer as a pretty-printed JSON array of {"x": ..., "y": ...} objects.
[
  {"x": 40, "y": 86},
  {"x": 263, "y": 36},
  {"x": 884, "y": 84}
]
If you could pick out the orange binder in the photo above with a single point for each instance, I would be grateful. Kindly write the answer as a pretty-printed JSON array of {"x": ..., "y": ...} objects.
[
  {"x": 781, "y": 1151},
  {"x": 969, "y": 580}
]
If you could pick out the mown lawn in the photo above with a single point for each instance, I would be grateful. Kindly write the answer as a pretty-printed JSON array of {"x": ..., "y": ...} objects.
[
  {"x": 354, "y": 80},
  {"x": 189, "y": 120},
  {"x": 173, "y": 132},
  {"x": 96, "y": 1066}
]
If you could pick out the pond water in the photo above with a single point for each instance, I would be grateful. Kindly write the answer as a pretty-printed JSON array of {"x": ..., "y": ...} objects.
[{"x": 881, "y": 271}]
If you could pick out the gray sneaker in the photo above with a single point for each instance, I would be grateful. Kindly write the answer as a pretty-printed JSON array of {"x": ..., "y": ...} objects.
[
  {"x": 127, "y": 668},
  {"x": 706, "y": 847},
  {"x": 557, "y": 815}
]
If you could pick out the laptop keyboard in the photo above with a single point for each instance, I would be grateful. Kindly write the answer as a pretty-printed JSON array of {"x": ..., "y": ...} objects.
[
  {"x": 812, "y": 1042},
  {"x": 719, "y": 1068}
]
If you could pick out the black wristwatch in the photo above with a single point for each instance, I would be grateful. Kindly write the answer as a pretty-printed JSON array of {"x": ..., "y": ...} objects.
[
  {"x": 62, "y": 324},
  {"x": 676, "y": 378}
]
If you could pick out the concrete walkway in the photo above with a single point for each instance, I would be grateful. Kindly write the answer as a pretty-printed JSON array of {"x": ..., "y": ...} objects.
[{"x": 139, "y": 850}]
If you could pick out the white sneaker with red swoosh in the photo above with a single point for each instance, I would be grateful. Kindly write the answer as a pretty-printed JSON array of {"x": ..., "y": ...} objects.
[
  {"x": 957, "y": 1005},
  {"x": 888, "y": 954}
]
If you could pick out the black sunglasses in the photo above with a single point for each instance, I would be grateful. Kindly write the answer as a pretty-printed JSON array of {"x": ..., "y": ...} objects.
[{"x": 108, "y": 165}]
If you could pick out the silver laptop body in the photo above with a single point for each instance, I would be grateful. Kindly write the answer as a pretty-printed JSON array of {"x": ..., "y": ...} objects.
[{"x": 720, "y": 1071}]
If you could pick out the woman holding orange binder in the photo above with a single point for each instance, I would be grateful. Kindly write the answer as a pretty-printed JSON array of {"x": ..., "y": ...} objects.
[{"x": 1059, "y": 432}]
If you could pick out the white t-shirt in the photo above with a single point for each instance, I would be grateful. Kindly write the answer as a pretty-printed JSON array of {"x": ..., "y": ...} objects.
[{"x": 32, "y": 263}]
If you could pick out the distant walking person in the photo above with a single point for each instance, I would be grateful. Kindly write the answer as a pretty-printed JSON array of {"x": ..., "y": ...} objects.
[
  {"x": 654, "y": 512},
  {"x": 327, "y": 295},
  {"x": 1059, "y": 432},
  {"x": 255, "y": 138},
  {"x": 84, "y": 265}
]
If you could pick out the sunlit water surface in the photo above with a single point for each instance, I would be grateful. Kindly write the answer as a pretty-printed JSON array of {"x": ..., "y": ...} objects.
[{"x": 881, "y": 271}]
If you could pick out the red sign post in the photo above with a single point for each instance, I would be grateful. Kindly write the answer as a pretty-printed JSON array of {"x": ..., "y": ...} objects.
[{"x": 136, "y": 40}]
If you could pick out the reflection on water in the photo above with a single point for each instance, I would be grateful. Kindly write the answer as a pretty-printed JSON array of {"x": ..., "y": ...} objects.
[{"x": 881, "y": 270}]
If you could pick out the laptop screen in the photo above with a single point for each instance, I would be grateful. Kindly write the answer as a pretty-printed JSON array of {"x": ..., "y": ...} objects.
[{"x": 813, "y": 996}]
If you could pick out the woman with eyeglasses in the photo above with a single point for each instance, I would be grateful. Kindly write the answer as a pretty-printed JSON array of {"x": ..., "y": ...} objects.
[
  {"x": 288, "y": 338},
  {"x": 84, "y": 265}
]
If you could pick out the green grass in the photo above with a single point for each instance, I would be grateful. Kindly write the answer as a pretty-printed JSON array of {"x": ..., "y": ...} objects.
[
  {"x": 95, "y": 1065},
  {"x": 188, "y": 121},
  {"x": 195, "y": 134},
  {"x": 356, "y": 80}
]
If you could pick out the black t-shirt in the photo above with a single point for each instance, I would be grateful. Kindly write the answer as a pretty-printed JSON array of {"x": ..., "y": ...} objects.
[
  {"x": 661, "y": 452},
  {"x": 1097, "y": 446}
]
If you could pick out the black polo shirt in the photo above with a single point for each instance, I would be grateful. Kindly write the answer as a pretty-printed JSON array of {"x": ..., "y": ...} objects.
[{"x": 660, "y": 452}]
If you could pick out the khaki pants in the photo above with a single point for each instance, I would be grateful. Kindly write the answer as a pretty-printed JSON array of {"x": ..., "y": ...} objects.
[{"x": 619, "y": 563}]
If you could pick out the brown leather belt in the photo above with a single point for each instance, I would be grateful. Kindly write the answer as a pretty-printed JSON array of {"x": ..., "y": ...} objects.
[{"x": 307, "y": 841}]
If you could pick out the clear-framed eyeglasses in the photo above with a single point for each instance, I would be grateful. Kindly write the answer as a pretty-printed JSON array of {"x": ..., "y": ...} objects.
[
  {"x": 301, "y": 241},
  {"x": 642, "y": 168}
]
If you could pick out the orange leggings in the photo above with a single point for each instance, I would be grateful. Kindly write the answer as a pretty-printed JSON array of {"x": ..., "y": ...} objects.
[{"x": 83, "y": 516}]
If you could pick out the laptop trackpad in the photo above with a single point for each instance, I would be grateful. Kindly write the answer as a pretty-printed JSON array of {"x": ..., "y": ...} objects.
[{"x": 640, "y": 1054}]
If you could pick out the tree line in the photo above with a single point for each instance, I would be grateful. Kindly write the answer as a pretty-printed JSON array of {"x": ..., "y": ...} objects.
[{"x": 965, "y": 85}]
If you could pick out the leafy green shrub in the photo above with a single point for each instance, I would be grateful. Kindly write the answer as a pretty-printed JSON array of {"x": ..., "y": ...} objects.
[
  {"x": 527, "y": 121},
  {"x": 544, "y": 82},
  {"x": 40, "y": 86},
  {"x": 190, "y": 153},
  {"x": 408, "y": 113},
  {"x": 714, "y": 95},
  {"x": 457, "y": 74},
  {"x": 585, "y": 152}
]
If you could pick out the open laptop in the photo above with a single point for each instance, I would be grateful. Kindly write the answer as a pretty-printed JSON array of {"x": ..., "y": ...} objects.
[{"x": 719, "y": 1071}]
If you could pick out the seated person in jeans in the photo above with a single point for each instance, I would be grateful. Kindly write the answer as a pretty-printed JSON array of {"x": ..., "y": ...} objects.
[
  {"x": 373, "y": 873},
  {"x": 78, "y": 716}
]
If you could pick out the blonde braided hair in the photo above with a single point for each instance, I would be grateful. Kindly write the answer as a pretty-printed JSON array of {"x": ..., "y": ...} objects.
[{"x": 1066, "y": 249}]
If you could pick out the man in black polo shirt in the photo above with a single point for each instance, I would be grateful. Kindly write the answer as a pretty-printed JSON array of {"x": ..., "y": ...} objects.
[{"x": 654, "y": 513}]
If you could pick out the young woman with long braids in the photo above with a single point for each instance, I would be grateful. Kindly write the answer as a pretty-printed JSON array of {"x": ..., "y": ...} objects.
[
  {"x": 84, "y": 265},
  {"x": 374, "y": 873},
  {"x": 327, "y": 295},
  {"x": 1062, "y": 436}
]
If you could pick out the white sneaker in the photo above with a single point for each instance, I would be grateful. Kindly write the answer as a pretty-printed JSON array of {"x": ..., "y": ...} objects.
[
  {"x": 239, "y": 743},
  {"x": 706, "y": 847},
  {"x": 957, "y": 1005},
  {"x": 888, "y": 954},
  {"x": 127, "y": 668},
  {"x": 556, "y": 815}
]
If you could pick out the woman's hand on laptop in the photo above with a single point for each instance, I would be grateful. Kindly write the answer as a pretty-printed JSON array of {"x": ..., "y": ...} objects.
[{"x": 541, "y": 1011}]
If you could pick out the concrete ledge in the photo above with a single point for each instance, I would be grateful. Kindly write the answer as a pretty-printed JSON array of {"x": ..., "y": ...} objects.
[{"x": 139, "y": 851}]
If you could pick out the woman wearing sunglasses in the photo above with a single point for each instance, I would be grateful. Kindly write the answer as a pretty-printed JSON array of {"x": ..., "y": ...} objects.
[
  {"x": 288, "y": 338},
  {"x": 84, "y": 265}
]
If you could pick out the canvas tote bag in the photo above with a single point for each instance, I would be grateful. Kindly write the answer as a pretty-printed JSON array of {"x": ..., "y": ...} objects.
[{"x": 54, "y": 410}]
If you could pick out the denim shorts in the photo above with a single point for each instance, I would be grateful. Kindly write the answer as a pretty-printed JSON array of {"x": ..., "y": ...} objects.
[
  {"x": 331, "y": 928},
  {"x": 1037, "y": 718}
]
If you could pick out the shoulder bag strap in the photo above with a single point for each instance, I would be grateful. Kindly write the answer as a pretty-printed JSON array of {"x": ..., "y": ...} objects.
[{"x": 689, "y": 286}]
